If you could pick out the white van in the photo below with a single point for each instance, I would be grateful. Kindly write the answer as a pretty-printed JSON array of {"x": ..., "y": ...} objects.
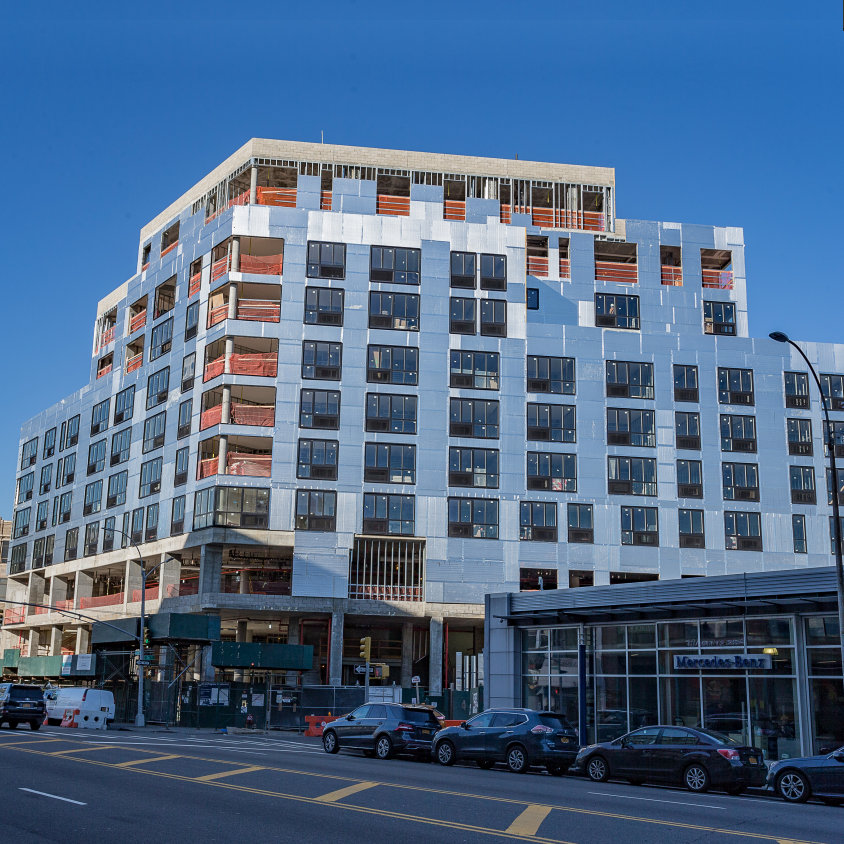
[{"x": 77, "y": 697}]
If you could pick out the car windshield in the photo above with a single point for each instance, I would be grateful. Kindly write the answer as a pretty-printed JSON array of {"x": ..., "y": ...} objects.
[
  {"x": 25, "y": 693},
  {"x": 419, "y": 716},
  {"x": 556, "y": 722},
  {"x": 718, "y": 738}
]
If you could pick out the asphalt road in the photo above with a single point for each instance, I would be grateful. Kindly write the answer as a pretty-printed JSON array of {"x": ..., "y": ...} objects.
[{"x": 78, "y": 786}]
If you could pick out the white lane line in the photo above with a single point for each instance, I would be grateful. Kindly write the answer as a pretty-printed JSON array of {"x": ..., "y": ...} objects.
[
  {"x": 54, "y": 796},
  {"x": 655, "y": 800}
]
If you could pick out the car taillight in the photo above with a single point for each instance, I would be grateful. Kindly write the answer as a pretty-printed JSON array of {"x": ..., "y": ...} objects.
[
  {"x": 728, "y": 753},
  {"x": 405, "y": 728},
  {"x": 539, "y": 729}
]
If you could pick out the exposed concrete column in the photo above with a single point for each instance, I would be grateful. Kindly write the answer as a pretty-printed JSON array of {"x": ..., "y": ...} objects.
[
  {"x": 168, "y": 575},
  {"x": 58, "y": 590},
  {"x": 406, "y": 654},
  {"x": 241, "y": 635},
  {"x": 293, "y": 629},
  {"x": 232, "y": 314},
  {"x": 335, "y": 649},
  {"x": 227, "y": 360},
  {"x": 55, "y": 641},
  {"x": 34, "y": 641},
  {"x": 226, "y": 412},
  {"x": 132, "y": 580},
  {"x": 84, "y": 588},
  {"x": 223, "y": 453},
  {"x": 253, "y": 185},
  {"x": 435, "y": 657},
  {"x": 83, "y": 640},
  {"x": 36, "y": 590},
  {"x": 210, "y": 569},
  {"x": 243, "y": 583},
  {"x": 235, "y": 261}
]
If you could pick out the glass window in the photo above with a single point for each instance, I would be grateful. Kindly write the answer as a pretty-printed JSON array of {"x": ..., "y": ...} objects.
[
  {"x": 494, "y": 317},
  {"x": 392, "y": 463},
  {"x": 323, "y": 306},
  {"x": 631, "y": 427},
  {"x": 743, "y": 531},
  {"x": 550, "y": 375},
  {"x": 639, "y": 526},
  {"x": 321, "y": 360},
  {"x": 462, "y": 315},
  {"x": 49, "y": 443},
  {"x": 796, "y": 389},
  {"x": 538, "y": 521},
  {"x": 185, "y": 417},
  {"x": 116, "y": 495},
  {"x": 473, "y": 467},
  {"x": 719, "y": 318},
  {"x": 93, "y": 498},
  {"x": 735, "y": 386},
  {"x": 473, "y": 418},
  {"x": 741, "y": 481},
  {"x": 319, "y": 409},
  {"x": 493, "y": 272},
  {"x": 181, "y": 466},
  {"x": 389, "y": 514},
  {"x": 463, "y": 266},
  {"x": 318, "y": 459},
  {"x": 154, "y": 431},
  {"x": 99, "y": 417},
  {"x": 191, "y": 321},
  {"x": 580, "y": 523},
  {"x": 124, "y": 404},
  {"x": 326, "y": 260},
  {"x": 551, "y": 422},
  {"x": 150, "y": 477},
  {"x": 161, "y": 339},
  {"x": 630, "y": 380},
  {"x": 738, "y": 433},
  {"x": 631, "y": 475},
  {"x": 798, "y": 533},
  {"x": 475, "y": 370},
  {"x": 188, "y": 371},
  {"x": 554, "y": 472},
  {"x": 393, "y": 413},
  {"x": 473, "y": 518},
  {"x": 396, "y": 265},
  {"x": 316, "y": 510},
  {"x": 158, "y": 385},
  {"x": 616, "y": 311},
  {"x": 120, "y": 443},
  {"x": 392, "y": 365},
  {"x": 399, "y": 311}
]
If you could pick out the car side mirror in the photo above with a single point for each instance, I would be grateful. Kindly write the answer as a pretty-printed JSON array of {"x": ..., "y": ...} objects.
[
  {"x": 465, "y": 725},
  {"x": 625, "y": 742},
  {"x": 350, "y": 717}
]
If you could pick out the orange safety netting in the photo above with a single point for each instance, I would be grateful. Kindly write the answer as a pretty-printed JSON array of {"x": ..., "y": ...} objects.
[
  {"x": 101, "y": 600},
  {"x": 15, "y": 616},
  {"x": 257, "y": 465},
  {"x": 195, "y": 283},
  {"x": 218, "y": 314},
  {"x": 717, "y": 279},
  {"x": 565, "y": 268},
  {"x": 325, "y": 200},
  {"x": 284, "y": 197},
  {"x": 214, "y": 368},
  {"x": 104, "y": 371},
  {"x": 260, "y": 363},
  {"x": 613, "y": 271},
  {"x": 262, "y": 264},
  {"x": 543, "y": 217},
  {"x": 41, "y": 610},
  {"x": 134, "y": 362},
  {"x": 671, "y": 276},
  {"x": 138, "y": 321},
  {"x": 206, "y": 468},
  {"x": 211, "y": 416},
  {"x": 258, "y": 310},
  {"x": 537, "y": 266},
  {"x": 64, "y": 605},
  {"x": 219, "y": 268},
  {"x": 107, "y": 336},
  {"x": 504, "y": 215},
  {"x": 253, "y": 414},
  {"x": 151, "y": 593},
  {"x": 170, "y": 248},
  {"x": 185, "y": 587},
  {"x": 398, "y": 205},
  {"x": 454, "y": 209}
]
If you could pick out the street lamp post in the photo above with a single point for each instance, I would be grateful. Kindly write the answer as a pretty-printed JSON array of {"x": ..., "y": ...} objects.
[
  {"x": 829, "y": 438},
  {"x": 139, "y": 717}
]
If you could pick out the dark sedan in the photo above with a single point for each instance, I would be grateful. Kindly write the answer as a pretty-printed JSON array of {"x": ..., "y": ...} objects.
[
  {"x": 698, "y": 759},
  {"x": 383, "y": 729},
  {"x": 519, "y": 737},
  {"x": 796, "y": 780}
]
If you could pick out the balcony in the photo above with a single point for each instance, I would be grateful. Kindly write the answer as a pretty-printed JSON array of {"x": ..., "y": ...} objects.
[
  {"x": 607, "y": 271},
  {"x": 279, "y": 197},
  {"x": 254, "y": 406},
  {"x": 616, "y": 262},
  {"x": 14, "y": 616},
  {"x": 716, "y": 269},
  {"x": 105, "y": 365},
  {"x": 716, "y": 279},
  {"x": 252, "y": 356},
  {"x": 134, "y": 362},
  {"x": 107, "y": 335},
  {"x": 537, "y": 266},
  {"x": 64, "y": 605},
  {"x": 245, "y": 457},
  {"x": 150, "y": 594}
]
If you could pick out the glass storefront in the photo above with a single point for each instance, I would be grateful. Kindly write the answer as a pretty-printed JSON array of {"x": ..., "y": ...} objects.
[{"x": 634, "y": 680}]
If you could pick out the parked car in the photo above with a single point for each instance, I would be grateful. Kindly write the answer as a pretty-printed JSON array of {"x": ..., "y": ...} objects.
[
  {"x": 796, "y": 780},
  {"x": 77, "y": 697},
  {"x": 21, "y": 704},
  {"x": 698, "y": 759},
  {"x": 383, "y": 729},
  {"x": 519, "y": 737}
]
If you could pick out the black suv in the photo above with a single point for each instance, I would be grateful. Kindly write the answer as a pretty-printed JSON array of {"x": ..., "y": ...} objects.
[
  {"x": 383, "y": 729},
  {"x": 519, "y": 737},
  {"x": 21, "y": 704}
]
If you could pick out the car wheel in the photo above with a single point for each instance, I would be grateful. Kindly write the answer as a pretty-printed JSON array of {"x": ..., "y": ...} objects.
[
  {"x": 34, "y": 725},
  {"x": 384, "y": 747},
  {"x": 445, "y": 753},
  {"x": 793, "y": 787},
  {"x": 485, "y": 764},
  {"x": 329, "y": 742},
  {"x": 735, "y": 790},
  {"x": 517, "y": 759},
  {"x": 597, "y": 769},
  {"x": 696, "y": 778},
  {"x": 556, "y": 769}
]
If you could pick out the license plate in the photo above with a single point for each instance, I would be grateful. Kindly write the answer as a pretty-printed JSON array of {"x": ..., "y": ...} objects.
[
  {"x": 564, "y": 740},
  {"x": 26, "y": 705},
  {"x": 425, "y": 732},
  {"x": 752, "y": 760}
]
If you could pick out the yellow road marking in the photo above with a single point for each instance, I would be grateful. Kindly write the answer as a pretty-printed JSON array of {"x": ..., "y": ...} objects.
[
  {"x": 84, "y": 749},
  {"x": 334, "y": 796},
  {"x": 209, "y": 777},
  {"x": 400, "y": 816},
  {"x": 144, "y": 761},
  {"x": 529, "y": 821}
]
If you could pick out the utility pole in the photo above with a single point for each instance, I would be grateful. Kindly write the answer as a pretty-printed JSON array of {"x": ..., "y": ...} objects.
[{"x": 365, "y": 651}]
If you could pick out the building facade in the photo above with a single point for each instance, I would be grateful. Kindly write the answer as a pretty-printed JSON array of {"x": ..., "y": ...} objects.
[
  {"x": 350, "y": 391},
  {"x": 756, "y": 656}
]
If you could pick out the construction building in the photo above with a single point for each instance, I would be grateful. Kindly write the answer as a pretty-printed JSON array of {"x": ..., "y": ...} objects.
[{"x": 350, "y": 391}]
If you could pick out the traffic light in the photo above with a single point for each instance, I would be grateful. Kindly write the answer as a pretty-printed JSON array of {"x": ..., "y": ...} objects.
[
  {"x": 146, "y": 636},
  {"x": 365, "y": 647}
]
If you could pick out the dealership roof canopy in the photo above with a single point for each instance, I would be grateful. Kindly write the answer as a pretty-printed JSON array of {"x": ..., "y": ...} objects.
[{"x": 755, "y": 593}]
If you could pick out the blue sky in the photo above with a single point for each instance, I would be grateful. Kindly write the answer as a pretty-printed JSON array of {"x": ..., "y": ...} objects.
[{"x": 722, "y": 113}]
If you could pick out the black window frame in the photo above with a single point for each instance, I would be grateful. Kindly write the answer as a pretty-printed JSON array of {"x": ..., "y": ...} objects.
[
  {"x": 545, "y": 367},
  {"x": 621, "y": 385},
  {"x": 492, "y": 271},
  {"x": 467, "y": 465},
  {"x": 321, "y": 519},
  {"x": 719, "y": 318},
  {"x": 154, "y": 430},
  {"x": 184, "y": 422},
  {"x": 100, "y": 413},
  {"x": 330, "y": 369},
  {"x": 628, "y": 485},
  {"x": 737, "y": 481},
  {"x": 470, "y": 370},
  {"x": 375, "y": 375},
  {"x": 326, "y": 259},
  {"x": 458, "y": 425},
  {"x": 609, "y": 307},
  {"x": 149, "y": 480},
  {"x": 404, "y": 264},
  {"x": 158, "y": 388},
  {"x": 121, "y": 445},
  {"x": 731, "y": 423},
  {"x": 493, "y": 318},
  {"x": 551, "y": 471},
  {"x": 191, "y": 321},
  {"x": 324, "y": 470},
  {"x": 389, "y": 463},
  {"x": 318, "y": 312},
  {"x": 384, "y": 514},
  {"x": 188, "y": 371},
  {"x": 694, "y": 522},
  {"x": 798, "y": 435},
  {"x": 802, "y": 483},
  {"x": 467, "y": 525},
  {"x": 93, "y": 500},
  {"x": 390, "y": 422},
  {"x": 161, "y": 339},
  {"x": 534, "y": 517},
  {"x": 554, "y": 430},
  {"x": 49, "y": 448},
  {"x": 393, "y": 311},
  {"x": 682, "y": 389},
  {"x": 622, "y": 423},
  {"x": 320, "y": 421},
  {"x": 463, "y": 269},
  {"x": 689, "y": 478},
  {"x": 738, "y": 541},
  {"x": 181, "y": 466},
  {"x": 116, "y": 491},
  {"x": 458, "y": 322},
  {"x": 687, "y": 430},
  {"x": 727, "y": 376},
  {"x": 124, "y": 405},
  {"x": 636, "y": 524},
  {"x": 97, "y": 456}
]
